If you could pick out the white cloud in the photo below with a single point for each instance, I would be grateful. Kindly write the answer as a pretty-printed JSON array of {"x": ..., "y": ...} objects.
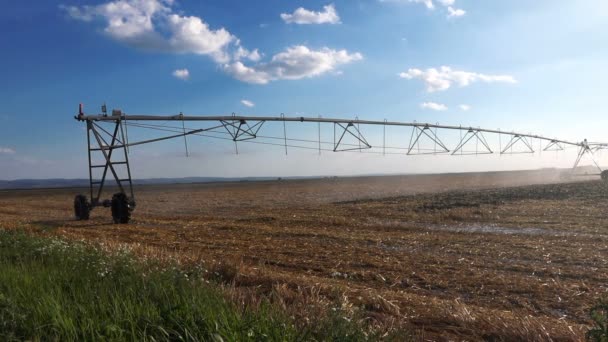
[
  {"x": 464, "y": 107},
  {"x": 154, "y": 25},
  {"x": 137, "y": 23},
  {"x": 84, "y": 13},
  {"x": 182, "y": 74},
  {"x": 304, "y": 16},
  {"x": 428, "y": 3},
  {"x": 128, "y": 21},
  {"x": 442, "y": 79},
  {"x": 294, "y": 63},
  {"x": 244, "y": 73},
  {"x": 452, "y": 12},
  {"x": 6, "y": 150},
  {"x": 434, "y": 106},
  {"x": 241, "y": 53},
  {"x": 192, "y": 35},
  {"x": 447, "y": 2},
  {"x": 247, "y": 103}
]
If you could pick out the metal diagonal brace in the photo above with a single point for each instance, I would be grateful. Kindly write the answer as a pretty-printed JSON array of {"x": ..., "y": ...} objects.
[
  {"x": 195, "y": 131},
  {"x": 239, "y": 129},
  {"x": 554, "y": 145},
  {"x": 471, "y": 133},
  {"x": 514, "y": 140},
  {"x": 108, "y": 157},
  {"x": 108, "y": 153},
  {"x": 357, "y": 135},
  {"x": 585, "y": 149},
  {"x": 424, "y": 132},
  {"x": 108, "y": 133}
]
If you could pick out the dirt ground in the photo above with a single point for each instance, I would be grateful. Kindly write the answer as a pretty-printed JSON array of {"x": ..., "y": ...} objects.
[{"x": 484, "y": 256}]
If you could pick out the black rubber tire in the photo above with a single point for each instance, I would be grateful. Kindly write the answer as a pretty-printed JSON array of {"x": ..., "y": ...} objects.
[
  {"x": 121, "y": 209},
  {"x": 82, "y": 209},
  {"x": 604, "y": 175}
]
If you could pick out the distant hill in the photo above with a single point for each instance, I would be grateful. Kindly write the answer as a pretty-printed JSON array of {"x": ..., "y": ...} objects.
[{"x": 73, "y": 183}]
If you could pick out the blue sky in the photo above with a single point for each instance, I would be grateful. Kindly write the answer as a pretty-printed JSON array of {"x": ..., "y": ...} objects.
[{"x": 537, "y": 66}]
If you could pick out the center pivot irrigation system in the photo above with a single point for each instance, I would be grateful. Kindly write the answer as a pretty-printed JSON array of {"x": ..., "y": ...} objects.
[{"x": 107, "y": 135}]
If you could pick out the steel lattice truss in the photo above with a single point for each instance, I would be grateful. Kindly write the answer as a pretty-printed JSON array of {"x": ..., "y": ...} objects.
[{"x": 112, "y": 143}]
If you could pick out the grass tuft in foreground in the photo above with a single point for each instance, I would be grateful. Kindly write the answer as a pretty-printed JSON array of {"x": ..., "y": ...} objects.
[
  {"x": 54, "y": 290},
  {"x": 599, "y": 314}
]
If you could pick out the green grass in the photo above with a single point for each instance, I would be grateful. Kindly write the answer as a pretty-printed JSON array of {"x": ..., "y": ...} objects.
[
  {"x": 54, "y": 290},
  {"x": 599, "y": 315}
]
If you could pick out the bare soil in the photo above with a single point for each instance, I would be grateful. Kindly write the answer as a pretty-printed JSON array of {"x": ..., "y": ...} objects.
[{"x": 484, "y": 256}]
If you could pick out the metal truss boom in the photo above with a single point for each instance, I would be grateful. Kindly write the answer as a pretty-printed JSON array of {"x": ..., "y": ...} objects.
[
  {"x": 239, "y": 119},
  {"x": 108, "y": 142}
]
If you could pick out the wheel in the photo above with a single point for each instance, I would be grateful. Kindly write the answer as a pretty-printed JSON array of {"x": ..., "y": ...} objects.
[
  {"x": 81, "y": 207},
  {"x": 604, "y": 175},
  {"x": 121, "y": 208}
]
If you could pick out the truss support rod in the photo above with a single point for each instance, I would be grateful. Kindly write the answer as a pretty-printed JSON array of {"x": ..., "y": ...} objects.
[
  {"x": 416, "y": 140},
  {"x": 185, "y": 136},
  {"x": 423, "y": 131},
  {"x": 581, "y": 152},
  {"x": 468, "y": 137},
  {"x": 108, "y": 133},
  {"x": 463, "y": 141},
  {"x": 126, "y": 162},
  {"x": 357, "y": 135},
  {"x": 108, "y": 157},
  {"x": 89, "y": 128},
  {"x": 242, "y": 129},
  {"x": 96, "y": 187},
  {"x": 514, "y": 140},
  {"x": 127, "y": 135},
  {"x": 585, "y": 149},
  {"x": 319, "y": 128},
  {"x": 553, "y": 146},
  {"x": 435, "y": 146},
  {"x": 499, "y": 142},
  {"x": 284, "y": 133},
  {"x": 341, "y": 136},
  {"x": 155, "y": 140},
  {"x": 384, "y": 138}
]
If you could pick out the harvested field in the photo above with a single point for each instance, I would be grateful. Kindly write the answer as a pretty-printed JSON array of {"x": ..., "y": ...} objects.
[{"x": 447, "y": 257}]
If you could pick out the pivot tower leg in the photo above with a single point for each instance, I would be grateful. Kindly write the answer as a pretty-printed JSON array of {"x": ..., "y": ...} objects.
[{"x": 112, "y": 147}]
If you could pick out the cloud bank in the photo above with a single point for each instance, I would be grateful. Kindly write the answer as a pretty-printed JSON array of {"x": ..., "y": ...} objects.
[
  {"x": 296, "y": 62},
  {"x": 442, "y": 79},
  {"x": 154, "y": 25},
  {"x": 182, "y": 74},
  {"x": 303, "y": 16},
  {"x": 247, "y": 103},
  {"x": 6, "y": 150},
  {"x": 433, "y": 106},
  {"x": 429, "y": 4}
]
